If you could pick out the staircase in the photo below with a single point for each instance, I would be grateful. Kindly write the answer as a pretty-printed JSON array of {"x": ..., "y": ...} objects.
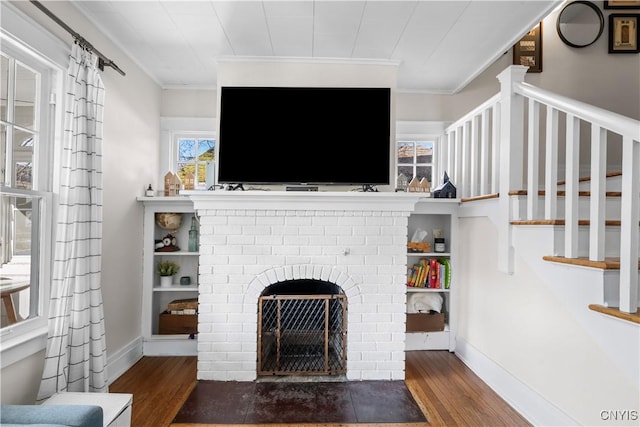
[
  {"x": 521, "y": 150},
  {"x": 607, "y": 269}
]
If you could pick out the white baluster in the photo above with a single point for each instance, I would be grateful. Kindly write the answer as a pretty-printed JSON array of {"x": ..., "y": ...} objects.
[
  {"x": 629, "y": 227},
  {"x": 551, "y": 165},
  {"x": 533, "y": 159},
  {"x": 484, "y": 153},
  {"x": 598, "y": 189},
  {"x": 571, "y": 187}
]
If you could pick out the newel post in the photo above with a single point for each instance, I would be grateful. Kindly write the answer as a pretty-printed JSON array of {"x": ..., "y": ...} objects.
[{"x": 511, "y": 158}]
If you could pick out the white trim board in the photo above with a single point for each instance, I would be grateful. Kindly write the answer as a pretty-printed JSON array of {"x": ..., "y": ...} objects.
[
  {"x": 535, "y": 408},
  {"x": 122, "y": 360}
]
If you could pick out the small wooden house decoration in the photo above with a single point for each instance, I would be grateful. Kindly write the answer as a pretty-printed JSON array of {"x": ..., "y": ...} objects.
[
  {"x": 414, "y": 185},
  {"x": 402, "y": 182},
  {"x": 171, "y": 184},
  {"x": 189, "y": 181},
  {"x": 419, "y": 185},
  {"x": 424, "y": 185}
]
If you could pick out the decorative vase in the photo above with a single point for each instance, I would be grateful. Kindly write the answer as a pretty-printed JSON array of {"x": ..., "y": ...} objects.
[
  {"x": 166, "y": 281},
  {"x": 193, "y": 236}
]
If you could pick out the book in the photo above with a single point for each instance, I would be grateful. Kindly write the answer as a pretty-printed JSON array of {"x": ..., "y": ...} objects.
[
  {"x": 446, "y": 276},
  {"x": 433, "y": 273}
]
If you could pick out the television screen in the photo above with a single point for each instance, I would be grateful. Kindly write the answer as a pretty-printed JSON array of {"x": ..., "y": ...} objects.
[{"x": 304, "y": 135}]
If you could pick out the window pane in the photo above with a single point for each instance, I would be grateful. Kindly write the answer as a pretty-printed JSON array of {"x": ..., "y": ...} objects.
[
  {"x": 22, "y": 159},
  {"x": 202, "y": 172},
  {"x": 206, "y": 150},
  {"x": 405, "y": 152},
  {"x": 4, "y": 86},
  {"x": 406, "y": 171},
  {"x": 16, "y": 244},
  {"x": 186, "y": 150},
  {"x": 25, "y": 104},
  {"x": 424, "y": 172},
  {"x": 424, "y": 151},
  {"x": 184, "y": 168}
]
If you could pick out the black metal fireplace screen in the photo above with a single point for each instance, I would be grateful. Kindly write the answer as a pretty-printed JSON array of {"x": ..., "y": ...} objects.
[{"x": 302, "y": 334}]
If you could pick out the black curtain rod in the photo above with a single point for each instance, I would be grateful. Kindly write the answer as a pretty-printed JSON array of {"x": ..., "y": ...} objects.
[{"x": 102, "y": 60}]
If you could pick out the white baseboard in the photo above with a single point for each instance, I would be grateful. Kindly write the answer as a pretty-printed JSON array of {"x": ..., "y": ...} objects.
[
  {"x": 535, "y": 408},
  {"x": 119, "y": 362}
]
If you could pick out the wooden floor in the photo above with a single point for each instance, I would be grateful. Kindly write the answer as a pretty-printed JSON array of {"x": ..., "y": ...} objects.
[{"x": 445, "y": 389}]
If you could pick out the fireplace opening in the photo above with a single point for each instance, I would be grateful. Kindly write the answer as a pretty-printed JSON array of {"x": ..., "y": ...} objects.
[{"x": 302, "y": 328}]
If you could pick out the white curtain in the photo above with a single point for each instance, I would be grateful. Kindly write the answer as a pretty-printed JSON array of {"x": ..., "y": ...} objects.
[{"x": 75, "y": 354}]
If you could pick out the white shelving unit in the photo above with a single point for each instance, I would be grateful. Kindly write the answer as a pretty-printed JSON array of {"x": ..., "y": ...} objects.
[
  {"x": 433, "y": 214},
  {"x": 154, "y": 297}
]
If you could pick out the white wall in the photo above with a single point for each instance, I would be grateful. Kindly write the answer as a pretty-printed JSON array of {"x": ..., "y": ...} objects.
[
  {"x": 188, "y": 103},
  {"x": 130, "y": 162},
  {"x": 534, "y": 328}
]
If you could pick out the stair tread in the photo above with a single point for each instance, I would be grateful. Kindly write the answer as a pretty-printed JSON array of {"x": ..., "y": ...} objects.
[
  {"x": 615, "y": 312},
  {"x": 608, "y": 222},
  {"x": 562, "y": 193},
  {"x": 609, "y": 263},
  {"x": 588, "y": 178},
  {"x": 483, "y": 197}
]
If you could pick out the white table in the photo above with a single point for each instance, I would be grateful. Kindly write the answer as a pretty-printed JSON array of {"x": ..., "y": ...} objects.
[{"x": 116, "y": 407}]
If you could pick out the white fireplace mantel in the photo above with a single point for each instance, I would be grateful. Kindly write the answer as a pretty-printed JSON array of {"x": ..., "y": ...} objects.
[{"x": 308, "y": 200}]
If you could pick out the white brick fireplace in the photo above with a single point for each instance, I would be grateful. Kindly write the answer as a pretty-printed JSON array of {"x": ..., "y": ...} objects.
[{"x": 250, "y": 240}]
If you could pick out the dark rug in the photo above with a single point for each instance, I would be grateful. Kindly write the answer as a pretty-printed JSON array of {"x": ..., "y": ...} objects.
[{"x": 228, "y": 402}]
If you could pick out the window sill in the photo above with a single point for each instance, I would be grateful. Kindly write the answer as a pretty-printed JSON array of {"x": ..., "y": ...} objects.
[{"x": 22, "y": 345}]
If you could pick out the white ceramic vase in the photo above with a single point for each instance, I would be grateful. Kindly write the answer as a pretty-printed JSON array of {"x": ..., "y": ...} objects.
[{"x": 166, "y": 281}]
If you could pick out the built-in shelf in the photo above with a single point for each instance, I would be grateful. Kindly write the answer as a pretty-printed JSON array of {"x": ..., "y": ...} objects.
[
  {"x": 429, "y": 216},
  {"x": 429, "y": 254},
  {"x": 155, "y": 297},
  {"x": 175, "y": 288},
  {"x": 412, "y": 289},
  {"x": 176, "y": 253}
]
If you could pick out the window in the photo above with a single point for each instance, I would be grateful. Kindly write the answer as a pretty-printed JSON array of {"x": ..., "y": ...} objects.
[
  {"x": 195, "y": 160},
  {"x": 414, "y": 159},
  {"x": 26, "y": 152}
]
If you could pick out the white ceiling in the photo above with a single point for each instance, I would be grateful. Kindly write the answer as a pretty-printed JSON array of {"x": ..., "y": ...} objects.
[{"x": 439, "y": 46}]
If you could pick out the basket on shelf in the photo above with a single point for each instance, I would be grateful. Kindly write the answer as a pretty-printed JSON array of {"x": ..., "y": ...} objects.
[{"x": 419, "y": 247}]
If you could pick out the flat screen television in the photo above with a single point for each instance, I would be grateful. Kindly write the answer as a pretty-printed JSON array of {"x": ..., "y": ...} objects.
[{"x": 304, "y": 135}]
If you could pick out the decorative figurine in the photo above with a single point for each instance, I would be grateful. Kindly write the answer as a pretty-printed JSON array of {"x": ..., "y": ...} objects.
[
  {"x": 446, "y": 190},
  {"x": 401, "y": 182},
  {"x": 171, "y": 184}
]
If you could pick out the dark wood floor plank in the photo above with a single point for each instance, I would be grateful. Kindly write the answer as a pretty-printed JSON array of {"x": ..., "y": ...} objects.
[{"x": 446, "y": 390}]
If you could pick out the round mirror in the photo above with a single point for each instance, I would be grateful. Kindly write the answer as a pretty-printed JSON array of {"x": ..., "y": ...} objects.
[{"x": 580, "y": 23}]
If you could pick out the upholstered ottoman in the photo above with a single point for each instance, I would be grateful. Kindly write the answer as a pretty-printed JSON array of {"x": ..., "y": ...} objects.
[
  {"x": 116, "y": 407},
  {"x": 51, "y": 415}
]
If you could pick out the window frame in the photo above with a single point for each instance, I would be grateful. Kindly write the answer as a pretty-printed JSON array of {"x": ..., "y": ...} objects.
[
  {"x": 175, "y": 149},
  {"x": 25, "y": 41},
  {"x": 191, "y": 127},
  {"x": 417, "y": 131},
  {"x": 414, "y": 163}
]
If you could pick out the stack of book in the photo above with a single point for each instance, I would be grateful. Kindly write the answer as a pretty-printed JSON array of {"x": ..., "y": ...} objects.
[{"x": 433, "y": 273}]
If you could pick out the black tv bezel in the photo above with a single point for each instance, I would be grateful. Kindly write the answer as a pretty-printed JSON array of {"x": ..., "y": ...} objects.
[{"x": 387, "y": 153}]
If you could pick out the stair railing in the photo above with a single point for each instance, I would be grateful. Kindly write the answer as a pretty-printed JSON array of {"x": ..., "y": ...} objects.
[{"x": 484, "y": 153}]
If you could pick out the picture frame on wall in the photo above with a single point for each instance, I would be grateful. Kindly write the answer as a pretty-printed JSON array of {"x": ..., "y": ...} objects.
[
  {"x": 623, "y": 33},
  {"x": 528, "y": 50},
  {"x": 622, "y": 4}
]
